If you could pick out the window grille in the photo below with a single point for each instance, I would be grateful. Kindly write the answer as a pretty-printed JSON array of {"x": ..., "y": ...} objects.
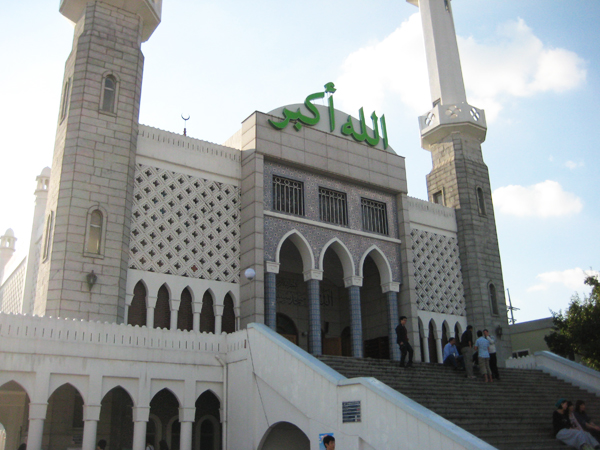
[
  {"x": 333, "y": 206},
  {"x": 374, "y": 216},
  {"x": 288, "y": 195}
]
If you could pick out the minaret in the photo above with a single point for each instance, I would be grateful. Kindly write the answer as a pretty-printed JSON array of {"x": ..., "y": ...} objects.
[
  {"x": 7, "y": 249},
  {"x": 35, "y": 241},
  {"x": 88, "y": 213},
  {"x": 453, "y": 132}
]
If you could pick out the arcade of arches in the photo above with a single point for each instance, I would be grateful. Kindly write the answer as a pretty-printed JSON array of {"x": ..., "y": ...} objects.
[
  {"x": 64, "y": 424},
  {"x": 328, "y": 312}
]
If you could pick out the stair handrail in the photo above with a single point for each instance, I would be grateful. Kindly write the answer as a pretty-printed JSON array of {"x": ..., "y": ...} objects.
[
  {"x": 562, "y": 368},
  {"x": 438, "y": 429}
]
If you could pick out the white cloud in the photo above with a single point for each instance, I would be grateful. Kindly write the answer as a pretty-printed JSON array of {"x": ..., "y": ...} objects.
[
  {"x": 573, "y": 165},
  {"x": 546, "y": 199},
  {"x": 512, "y": 63},
  {"x": 570, "y": 278}
]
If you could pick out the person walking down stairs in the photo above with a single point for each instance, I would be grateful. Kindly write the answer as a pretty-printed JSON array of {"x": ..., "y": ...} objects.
[{"x": 402, "y": 339}]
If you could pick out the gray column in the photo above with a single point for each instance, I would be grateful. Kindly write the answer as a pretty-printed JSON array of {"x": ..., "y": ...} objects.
[
  {"x": 356, "y": 321},
  {"x": 392, "y": 305},
  {"x": 314, "y": 317},
  {"x": 271, "y": 300}
]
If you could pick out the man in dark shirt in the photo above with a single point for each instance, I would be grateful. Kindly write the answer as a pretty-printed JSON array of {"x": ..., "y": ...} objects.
[
  {"x": 466, "y": 348},
  {"x": 402, "y": 339}
]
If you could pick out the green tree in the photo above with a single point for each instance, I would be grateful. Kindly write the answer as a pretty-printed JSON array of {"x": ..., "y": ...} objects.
[{"x": 577, "y": 330}]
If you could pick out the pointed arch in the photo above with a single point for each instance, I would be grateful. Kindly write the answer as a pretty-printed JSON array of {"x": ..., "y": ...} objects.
[
  {"x": 301, "y": 243},
  {"x": 185, "y": 315},
  {"x": 161, "y": 390},
  {"x": 207, "y": 313},
  {"x": 136, "y": 314},
  {"x": 343, "y": 254},
  {"x": 8, "y": 383},
  {"x": 75, "y": 384},
  {"x": 162, "y": 310},
  {"x": 381, "y": 261},
  {"x": 228, "y": 319}
]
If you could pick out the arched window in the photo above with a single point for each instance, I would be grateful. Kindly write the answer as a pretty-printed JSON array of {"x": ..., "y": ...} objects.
[
  {"x": 480, "y": 201},
  {"x": 207, "y": 314},
  {"x": 493, "y": 299},
  {"x": 185, "y": 317},
  {"x": 137, "y": 311},
  {"x": 109, "y": 94},
  {"x": 95, "y": 232},
  {"x": 228, "y": 321},
  {"x": 162, "y": 311},
  {"x": 207, "y": 435}
]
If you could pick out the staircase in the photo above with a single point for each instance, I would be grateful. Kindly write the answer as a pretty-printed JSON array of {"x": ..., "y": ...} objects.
[{"x": 512, "y": 414}]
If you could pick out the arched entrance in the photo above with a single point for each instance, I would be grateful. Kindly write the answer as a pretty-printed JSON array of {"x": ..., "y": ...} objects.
[
  {"x": 334, "y": 300},
  {"x": 207, "y": 428},
  {"x": 374, "y": 313},
  {"x": 284, "y": 435},
  {"x": 116, "y": 419},
  {"x": 433, "y": 354},
  {"x": 64, "y": 418},
  {"x": 14, "y": 409},
  {"x": 164, "y": 407},
  {"x": 292, "y": 292}
]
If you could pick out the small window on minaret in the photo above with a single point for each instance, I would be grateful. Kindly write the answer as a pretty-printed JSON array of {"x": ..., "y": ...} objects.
[
  {"x": 47, "y": 236},
  {"x": 480, "y": 201},
  {"x": 493, "y": 299},
  {"x": 438, "y": 197},
  {"x": 109, "y": 94},
  {"x": 95, "y": 232},
  {"x": 65, "y": 100}
]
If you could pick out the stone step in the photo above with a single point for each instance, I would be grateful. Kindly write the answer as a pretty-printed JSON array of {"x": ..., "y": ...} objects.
[{"x": 514, "y": 413}]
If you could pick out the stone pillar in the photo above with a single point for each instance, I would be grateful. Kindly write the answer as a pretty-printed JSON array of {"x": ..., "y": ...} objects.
[
  {"x": 438, "y": 347},
  {"x": 186, "y": 419},
  {"x": 128, "y": 300},
  {"x": 150, "y": 311},
  {"x": 91, "y": 416},
  {"x": 425, "y": 344},
  {"x": 140, "y": 419},
  {"x": 391, "y": 291},
  {"x": 37, "y": 415},
  {"x": 313, "y": 278},
  {"x": 354, "y": 284},
  {"x": 174, "y": 303},
  {"x": 271, "y": 271},
  {"x": 218, "y": 310}
]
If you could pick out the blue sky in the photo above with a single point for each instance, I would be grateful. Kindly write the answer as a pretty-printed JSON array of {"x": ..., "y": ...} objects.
[{"x": 533, "y": 66}]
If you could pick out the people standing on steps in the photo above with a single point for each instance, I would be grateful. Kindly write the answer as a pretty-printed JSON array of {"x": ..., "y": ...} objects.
[
  {"x": 482, "y": 346},
  {"x": 402, "y": 339},
  {"x": 466, "y": 348},
  {"x": 564, "y": 432},
  {"x": 493, "y": 360}
]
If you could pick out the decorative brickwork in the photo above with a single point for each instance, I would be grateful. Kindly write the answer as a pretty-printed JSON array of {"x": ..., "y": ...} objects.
[
  {"x": 437, "y": 273},
  {"x": 184, "y": 225}
]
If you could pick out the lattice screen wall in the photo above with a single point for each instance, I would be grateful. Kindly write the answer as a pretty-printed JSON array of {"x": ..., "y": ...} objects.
[
  {"x": 11, "y": 292},
  {"x": 437, "y": 272},
  {"x": 184, "y": 225}
]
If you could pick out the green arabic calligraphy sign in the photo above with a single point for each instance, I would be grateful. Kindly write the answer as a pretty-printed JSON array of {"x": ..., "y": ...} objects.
[{"x": 347, "y": 129}]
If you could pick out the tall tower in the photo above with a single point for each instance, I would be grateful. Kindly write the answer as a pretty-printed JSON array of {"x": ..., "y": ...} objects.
[
  {"x": 453, "y": 132},
  {"x": 84, "y": 257},
  {"x": 7, "y": 249}
]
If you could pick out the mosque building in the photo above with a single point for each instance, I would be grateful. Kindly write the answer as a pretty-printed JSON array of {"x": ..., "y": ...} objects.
[{"x": 174, "y": 289}]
